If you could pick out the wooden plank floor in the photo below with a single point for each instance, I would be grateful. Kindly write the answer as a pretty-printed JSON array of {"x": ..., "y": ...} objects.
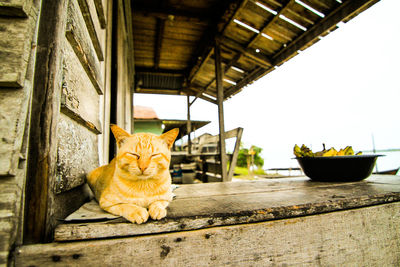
[
  {"x": 366, "y": 236},
  {"x": 200, "y": 206}
]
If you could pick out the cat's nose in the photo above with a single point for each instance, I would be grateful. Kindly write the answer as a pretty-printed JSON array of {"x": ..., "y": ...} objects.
[{"x": 143, "y": 165}]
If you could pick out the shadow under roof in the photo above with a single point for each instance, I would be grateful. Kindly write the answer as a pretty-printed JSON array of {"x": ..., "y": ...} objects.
[{"x": 174, "y": 40}]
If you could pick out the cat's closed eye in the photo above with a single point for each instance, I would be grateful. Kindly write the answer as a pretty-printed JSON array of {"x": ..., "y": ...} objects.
[
  {"x": 133, "y": 154},
  {"x": 156, "y": 154}
]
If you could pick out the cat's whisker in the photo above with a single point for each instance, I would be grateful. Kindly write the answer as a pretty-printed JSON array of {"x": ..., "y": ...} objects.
[{"x": 137, "y": 182}]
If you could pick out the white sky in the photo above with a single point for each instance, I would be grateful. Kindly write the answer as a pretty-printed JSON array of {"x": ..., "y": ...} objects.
[{"x": 340, "y": 92}]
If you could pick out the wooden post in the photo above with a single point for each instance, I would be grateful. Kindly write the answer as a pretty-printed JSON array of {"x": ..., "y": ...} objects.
[
  {"x": 220, "y": 100},
  {"x": 42, "y": 162},
  {"x": 235, "y": 153},
  {"x": 189, "y": 126}
]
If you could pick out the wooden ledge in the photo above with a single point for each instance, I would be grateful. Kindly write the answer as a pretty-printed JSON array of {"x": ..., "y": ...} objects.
[{"x": 200, "y": 206}]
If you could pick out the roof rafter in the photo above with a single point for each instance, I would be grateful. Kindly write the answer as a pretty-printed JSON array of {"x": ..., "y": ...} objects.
[
  {"x": 158, "y": 42},
  {"x": 163, "y": 12},
  {"x": 200, "y": 64},
  {"x": 268, "y": 23}
]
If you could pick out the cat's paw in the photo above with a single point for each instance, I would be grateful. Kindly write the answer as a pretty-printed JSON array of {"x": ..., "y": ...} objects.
[
  {"x": 139, "y": 215},
  {"x": 157, "y": 212}
]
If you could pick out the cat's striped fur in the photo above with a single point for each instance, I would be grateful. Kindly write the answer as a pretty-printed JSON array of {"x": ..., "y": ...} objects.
[{"x": 137, "y": 183}]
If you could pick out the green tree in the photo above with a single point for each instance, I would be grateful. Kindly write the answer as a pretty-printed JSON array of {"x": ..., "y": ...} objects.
[{"x": 244, "y": 154}]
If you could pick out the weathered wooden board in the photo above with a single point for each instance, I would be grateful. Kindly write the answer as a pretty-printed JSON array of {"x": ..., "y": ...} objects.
[
  {"x": 15, "y": 43},
  {"x": 10, "y": 198},
  {"x": 77, "y": 154},
  {"x": 90, "y": 25},
  {"x": 17, "y": 8},
  {"x": 79, "y": 99},
  {"x": 99, "y": 30},
  {"x": 214, "y": 204},
  {"x": 100, "y": 6},
  {"x": 13, "y": 115},
  {"x": 359, "y": 237},
  {"x": 78, "y": 37}
]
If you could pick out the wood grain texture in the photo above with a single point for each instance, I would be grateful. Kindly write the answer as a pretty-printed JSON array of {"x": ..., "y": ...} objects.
[
  {"x": 100, "y": 12},
  {"x": 359, "y": 237},
  {"x": 77, "y": 154},
  {"x": 15, "y": 8},
  {"x": 91, "y": 27},
  {"x": 79, "y": 100},
  {"x": 215, "y": 204},
  {"x": 15, "y": 43},
  {"x": 79, "y": 38},
  {"x": 10, "y": 197},
  {"x": 44, "y": 118}
]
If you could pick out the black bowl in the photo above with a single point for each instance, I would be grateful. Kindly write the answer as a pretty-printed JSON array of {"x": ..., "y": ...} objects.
[{"x": 338, "y": 168}]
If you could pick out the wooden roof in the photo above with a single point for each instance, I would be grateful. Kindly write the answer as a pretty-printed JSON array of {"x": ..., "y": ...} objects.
[{"x": 174, "y": 40}]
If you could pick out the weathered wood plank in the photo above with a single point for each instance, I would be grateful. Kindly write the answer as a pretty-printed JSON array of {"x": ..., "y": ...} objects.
[
  {"x": 17, "y": 8},
  {"x": 13, "y": 116},
  {"x": 100, "y": 32},
  {"x": 78, "y": 99},
  {"x": 77, "y": 154},
  {"x": 235, "y": 153},
  {"x": 44, "y": 118},
  {"x": 220, "y": 102},
  {"x": 85, "y": 9},
  {"x": 229, "y": 134},
  {"x": 100, "y": 12},
  {"x": 359, "y": 237},
  {"x": 15, "y": 43},
  {"x": 79, "y": 39},
  {"x": 206, "y": 205},
  {"x": 10, "y": 199}
]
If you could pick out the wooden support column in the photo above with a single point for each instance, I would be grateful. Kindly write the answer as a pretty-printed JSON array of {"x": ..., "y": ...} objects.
[
  {"x": 189, "y": 126},
  {"x": 220, "y": 102},
  {"x": 47, "y": 90}
]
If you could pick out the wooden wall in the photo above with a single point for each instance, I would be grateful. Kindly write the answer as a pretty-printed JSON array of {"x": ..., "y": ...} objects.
[
  {"x": 18, "y": 31},
  {"x": 85, "y": 58},
  {"x": 70, "y": 125}
]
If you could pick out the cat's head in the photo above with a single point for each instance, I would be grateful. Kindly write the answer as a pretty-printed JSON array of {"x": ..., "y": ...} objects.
[{"x": 143, "y": 155}]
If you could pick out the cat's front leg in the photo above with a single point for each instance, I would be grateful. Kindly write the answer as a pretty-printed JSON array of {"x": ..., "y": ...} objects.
[
  {"x": 158, "y": 209},
  {"x": 131, "y": 212}
]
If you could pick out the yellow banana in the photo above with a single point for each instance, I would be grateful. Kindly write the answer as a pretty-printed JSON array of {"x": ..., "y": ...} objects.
[{"x": 330, "y": 153}]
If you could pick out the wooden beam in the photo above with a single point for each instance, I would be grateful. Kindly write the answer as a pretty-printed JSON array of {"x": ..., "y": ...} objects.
[
  {"x": 227, "y": 67},
  {"x": 268, "y": 23},
  {"x": 158, "y": 42},
  {"x": 162, "y": 11},
  {"x": 257, "y": 72},
  {"x": 157, "y": 91},
  {"x": 42, "y": 163},
  {"x": 345, "y": 10},
  {"x": 197, "y": 69},
  {"x": 236, "y": 6},
  {"x": 198, "y": 92},
  {"x": 189, "y": 126},
  {"x": 235, "y": 153},
  {"x": 239, "y": 7},
  {"x": 159, "y": 71},
  {"x": 258, "y": 58},
  {"x": 220, "y": 101}
]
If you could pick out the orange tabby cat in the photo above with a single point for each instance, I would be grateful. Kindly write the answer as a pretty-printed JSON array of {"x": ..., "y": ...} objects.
[{"x": 137, "y": 182}]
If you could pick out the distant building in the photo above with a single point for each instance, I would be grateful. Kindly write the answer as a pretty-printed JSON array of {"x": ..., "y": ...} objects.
[{"x": 146, "y": 120}]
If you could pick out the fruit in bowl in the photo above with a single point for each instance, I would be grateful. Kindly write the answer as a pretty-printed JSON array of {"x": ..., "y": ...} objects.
[{"x": 334, "y": 166}]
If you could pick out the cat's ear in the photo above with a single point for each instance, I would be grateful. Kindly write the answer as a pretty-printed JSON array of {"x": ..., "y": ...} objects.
[
  {"x": 119, "y": 134},
  {"x": 170, "y": 136}
]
